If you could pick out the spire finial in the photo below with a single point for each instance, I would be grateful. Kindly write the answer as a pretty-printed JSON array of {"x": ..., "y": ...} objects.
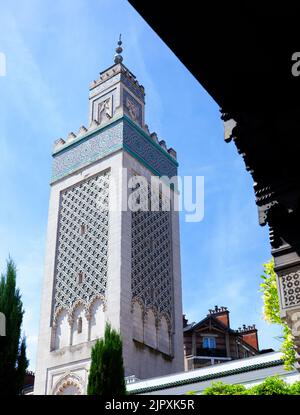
[{"x": 119, "y": 50}]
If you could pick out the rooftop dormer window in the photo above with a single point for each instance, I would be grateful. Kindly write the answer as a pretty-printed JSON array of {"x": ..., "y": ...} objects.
[{"x": 209, "y": 343}]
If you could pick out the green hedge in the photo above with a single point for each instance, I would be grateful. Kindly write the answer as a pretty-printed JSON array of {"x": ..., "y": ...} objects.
[{"x": 272, "y": 385}]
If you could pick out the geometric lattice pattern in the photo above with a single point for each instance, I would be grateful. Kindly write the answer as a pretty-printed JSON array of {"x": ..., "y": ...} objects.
[
  {"x": 81, "y": 258},
  {"x": 152, "y": 281},
  {"x": 290, "y": 284}
]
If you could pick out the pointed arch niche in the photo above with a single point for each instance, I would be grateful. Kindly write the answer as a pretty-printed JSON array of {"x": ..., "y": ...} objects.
[
  {"x": 150, "y": 336},
  {"x": 61, "y": 330},
  {"x": 79, "y": 325},
  {"x": 164, "y": 341},
  {"x": 97, "y": 319},
  {"x": 70, "y": 384}
]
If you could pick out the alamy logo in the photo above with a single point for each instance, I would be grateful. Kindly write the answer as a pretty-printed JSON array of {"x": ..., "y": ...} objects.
[
  {"x": 2, "y": 64},
  {"x": 296, "y": 65},
  {"x": 144, "y": 194},
  {"x": 2, "y": 324}
]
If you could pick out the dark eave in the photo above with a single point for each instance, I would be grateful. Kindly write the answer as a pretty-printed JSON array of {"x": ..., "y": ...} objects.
[{"x": 240, "y": 53}]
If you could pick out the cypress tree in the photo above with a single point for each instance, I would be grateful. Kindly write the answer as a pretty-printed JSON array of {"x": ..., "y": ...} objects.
[
  {"x": 13, "y": 361},
  {"x": 106, "y": 376},
  {"x": 21, "y": 365}
]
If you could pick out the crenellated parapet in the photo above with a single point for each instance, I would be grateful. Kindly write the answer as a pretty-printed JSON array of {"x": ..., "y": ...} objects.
[
  {"x": 163, "y": 145},
  {"x": 125, "y": 75}
]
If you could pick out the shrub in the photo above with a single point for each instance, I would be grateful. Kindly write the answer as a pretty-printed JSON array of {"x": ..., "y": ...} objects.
[
  {"x": 295, "y": 388},
  {"x": 272, "y": 385},
  {"x": 220, "y": 388}
]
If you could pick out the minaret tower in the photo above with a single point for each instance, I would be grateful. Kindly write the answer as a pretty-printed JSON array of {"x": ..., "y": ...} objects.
[{"x": 105, "y": 262}]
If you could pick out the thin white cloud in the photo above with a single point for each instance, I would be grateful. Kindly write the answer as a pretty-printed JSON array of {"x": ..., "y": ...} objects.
[{"x": 27, "y": 89}]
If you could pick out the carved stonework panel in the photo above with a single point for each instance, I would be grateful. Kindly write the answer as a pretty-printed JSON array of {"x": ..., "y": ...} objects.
[
  {"x": 105, "y": 110},
  {"x": 290, "y": 288},
  {"x": 292, "y": 318},
  {"x": 70, "y": 384},
  {"x": 132, "y": 107},
  {"x": 82, "y": 246},
  {"x": 102, "y": 107}
]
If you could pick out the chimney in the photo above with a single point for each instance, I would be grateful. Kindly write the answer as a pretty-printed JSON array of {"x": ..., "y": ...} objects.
[
  {"x": 184, "y": 321},
  {"x": 221, "y": 314},
  {"x": 249, "y": 335}
]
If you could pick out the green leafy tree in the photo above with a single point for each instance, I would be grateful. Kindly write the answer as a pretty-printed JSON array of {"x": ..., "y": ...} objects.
[
  {"x": 272, "y": 313},
  {"x": 106, "y": 376},
  {"x": 13, "y": 361}
]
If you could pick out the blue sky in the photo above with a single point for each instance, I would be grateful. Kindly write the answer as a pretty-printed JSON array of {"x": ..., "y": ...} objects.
[{"x": 53, "y": 51}]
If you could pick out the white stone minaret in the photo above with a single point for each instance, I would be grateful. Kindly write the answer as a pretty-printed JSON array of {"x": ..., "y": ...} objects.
[{"x": 105, "y": 262}]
